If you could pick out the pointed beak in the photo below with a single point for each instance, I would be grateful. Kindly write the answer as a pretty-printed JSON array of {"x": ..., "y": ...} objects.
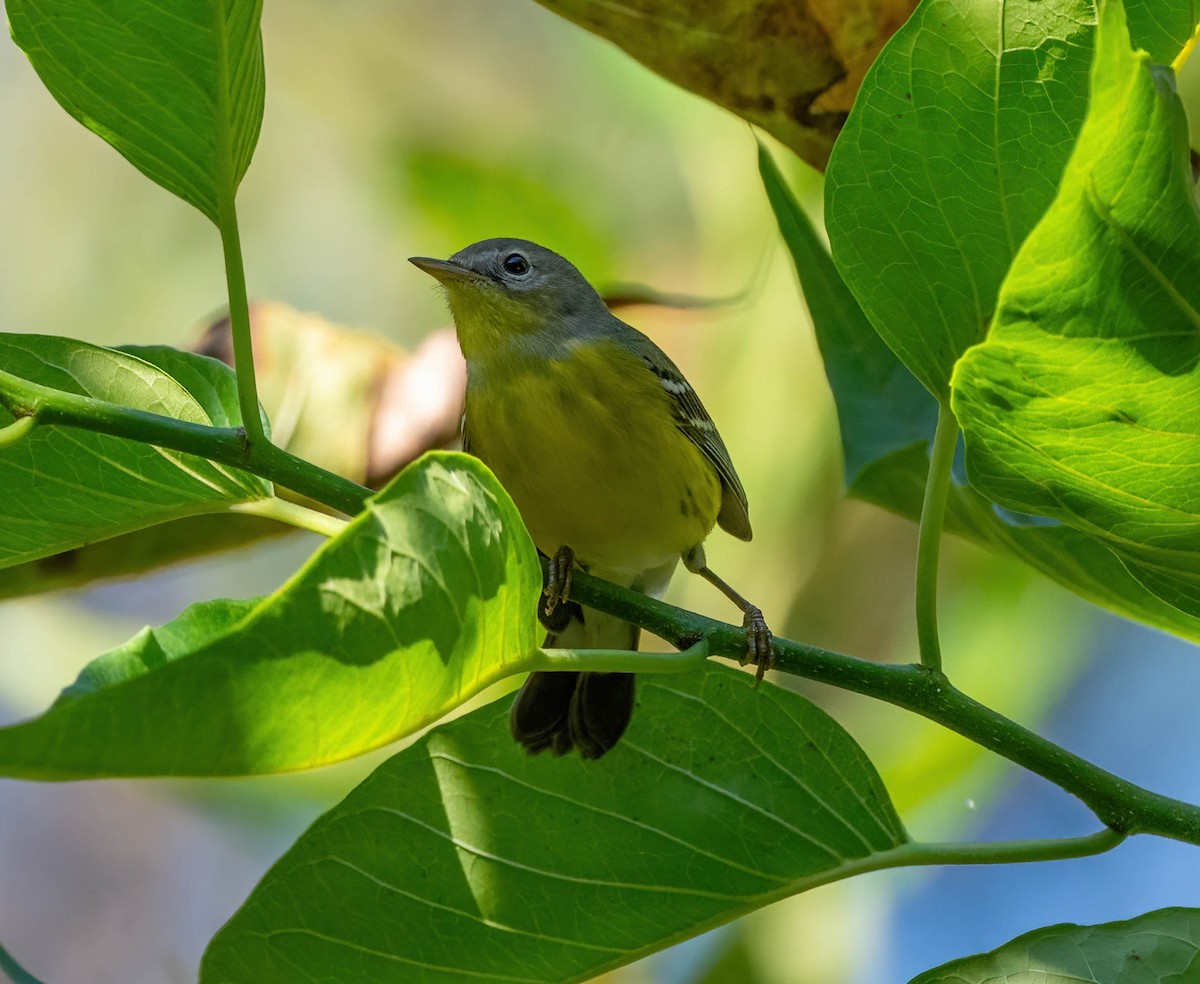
[{"x": 443, "y": 270}]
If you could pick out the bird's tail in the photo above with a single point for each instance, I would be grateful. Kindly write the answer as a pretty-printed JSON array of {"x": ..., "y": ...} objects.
[{"x": 589, "y": 711}]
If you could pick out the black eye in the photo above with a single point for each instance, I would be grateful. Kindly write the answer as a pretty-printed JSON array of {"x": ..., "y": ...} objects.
[{"x": 516, "y": 264}]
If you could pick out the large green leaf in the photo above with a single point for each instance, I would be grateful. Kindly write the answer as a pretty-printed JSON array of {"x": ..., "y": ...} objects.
[
  {"x": 65, "y": 487},
  {"x": 176, "y": 87},
  {"x": 1161, "y": 947},
  {"x": 464, "y": 858},
  {"x": 425, "y": 599},
  {"x": 887, "y": 421},
  {"x": 953, "y": 151},
  {"x": 1084, "y": 403}
]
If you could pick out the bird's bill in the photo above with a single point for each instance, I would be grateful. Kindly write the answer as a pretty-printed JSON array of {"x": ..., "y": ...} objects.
[{"x": 443, "y": 270}]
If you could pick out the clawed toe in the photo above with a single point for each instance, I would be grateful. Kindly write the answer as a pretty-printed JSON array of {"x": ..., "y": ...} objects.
[
  {"x": 558, "y": 580},
  {"x": 760, "y": 644}
]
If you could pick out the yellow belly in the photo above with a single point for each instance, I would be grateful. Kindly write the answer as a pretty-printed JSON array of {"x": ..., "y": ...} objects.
[{"x": 590, "y": 454}]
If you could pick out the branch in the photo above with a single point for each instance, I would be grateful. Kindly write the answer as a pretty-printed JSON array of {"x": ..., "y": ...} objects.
[
  {"x": 227, "y": 445},
  {"x": 1119, "y": 804}
]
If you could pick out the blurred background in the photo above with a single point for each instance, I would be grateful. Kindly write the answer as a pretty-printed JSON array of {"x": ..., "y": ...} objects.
[{"x": 417, "y": 128}]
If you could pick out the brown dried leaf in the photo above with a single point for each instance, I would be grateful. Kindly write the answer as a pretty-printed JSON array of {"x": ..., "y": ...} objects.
[
  {"x": 420, "y": 406},
  {"x": 349, "y": 400},
  {"x": 792, "y": 67}
]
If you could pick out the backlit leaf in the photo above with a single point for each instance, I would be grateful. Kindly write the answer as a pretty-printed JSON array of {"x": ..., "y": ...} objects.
[
  {"x": 425, "y": 599},
  {"x": 1084, "y": 403}
]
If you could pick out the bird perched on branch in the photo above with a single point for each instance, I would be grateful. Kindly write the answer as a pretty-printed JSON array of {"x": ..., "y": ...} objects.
[{"x": 608, "y": 454}]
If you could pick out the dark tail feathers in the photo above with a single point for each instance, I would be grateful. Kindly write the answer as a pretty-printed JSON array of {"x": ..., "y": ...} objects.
[{"x": 561, "y": 711}]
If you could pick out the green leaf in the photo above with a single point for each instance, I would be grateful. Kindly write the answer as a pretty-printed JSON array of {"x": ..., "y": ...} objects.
[
  {"x": 1083, "y": 403},
  {"x": 1162, "y": 28},
  {"x": 952, "y": 153},
  {"x": 426, "y": 598},
  {"x": 209, "y": 382},
  {"x": 68, "y": 487},
  {"x": 1161, "y": 947},
  {"x": 464, "y": 858},
  {"x": 176, "y": 88},
  {"x": 887, "y": 421},
  {"x": 880, "y": 405}
]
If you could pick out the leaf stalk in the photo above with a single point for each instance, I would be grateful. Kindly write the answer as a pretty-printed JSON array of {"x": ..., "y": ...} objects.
[
  {"x": 621, "y": 660},
  {"x": 239, "y": 322},
  {"x": 292, "y": 514},
  {"x": 933, "y": 512},
  {"x": 18, "y": 430}
]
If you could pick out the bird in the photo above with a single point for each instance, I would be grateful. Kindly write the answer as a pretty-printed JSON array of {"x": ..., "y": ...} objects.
[{"x": 609, "y": 456}]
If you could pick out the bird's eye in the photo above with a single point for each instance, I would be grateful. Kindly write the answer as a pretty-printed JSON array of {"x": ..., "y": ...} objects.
[{"x": 516, "y": 264}]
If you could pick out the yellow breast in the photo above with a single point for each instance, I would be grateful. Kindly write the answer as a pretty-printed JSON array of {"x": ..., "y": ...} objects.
[{"x": 588, "y": 449}]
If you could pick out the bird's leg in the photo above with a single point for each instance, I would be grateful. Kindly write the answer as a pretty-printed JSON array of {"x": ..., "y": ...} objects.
[{"x": 760, "y": 646}]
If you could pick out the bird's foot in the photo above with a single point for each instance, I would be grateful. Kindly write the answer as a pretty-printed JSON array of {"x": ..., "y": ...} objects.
[
  {"x": 558, "y": 580},
  {"x": 760, "y": 644}
]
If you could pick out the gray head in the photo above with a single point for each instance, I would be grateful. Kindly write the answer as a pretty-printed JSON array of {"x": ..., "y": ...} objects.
[{"x": 503, "y": 289}]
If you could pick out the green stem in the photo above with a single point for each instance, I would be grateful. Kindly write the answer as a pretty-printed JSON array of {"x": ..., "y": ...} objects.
[
  {"x": 293, "y": 514},
  {"x": 15, "y": 972},
  {"x": 933, "y": 511},
  {"x": 239, "y": 323},
  {"x": 1119, "y": 804},
  {"x": 227, "y": 445},
  {"x": 621, "y": 660},
  {"x": 18, "y": 430}
]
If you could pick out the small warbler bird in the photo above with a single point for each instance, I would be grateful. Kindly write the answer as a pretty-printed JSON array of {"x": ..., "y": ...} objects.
[{"x": 609, "y": 456}]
